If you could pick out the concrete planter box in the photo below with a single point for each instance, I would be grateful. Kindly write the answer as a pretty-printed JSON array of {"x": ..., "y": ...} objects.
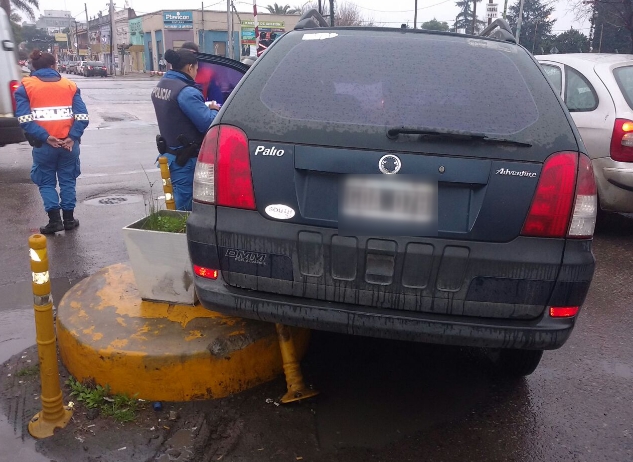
[{"x": 160, "y": 263}]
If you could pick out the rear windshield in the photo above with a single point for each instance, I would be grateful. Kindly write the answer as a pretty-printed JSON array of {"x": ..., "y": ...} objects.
[
  {"x": 401, "y": 81},
  {"x": 624, "y": 77},
  {"x": 95, "y": 63}
]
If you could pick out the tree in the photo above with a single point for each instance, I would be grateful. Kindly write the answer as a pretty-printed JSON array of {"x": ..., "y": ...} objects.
[
  {"x": 536, "y": 26},
  {"x": 464, "y": 19},
  {"x": 346, "y": 14},
  {"x": 278, "y": 9},
  {"x": 611, "y": 19},
  {"x": 25, "y": 6},
  {"x": 434, "y": 24},
  {"x": 571, "y": 41},
  {"x": 16, "y": 27},
  {"x": 36, "y": 38}
]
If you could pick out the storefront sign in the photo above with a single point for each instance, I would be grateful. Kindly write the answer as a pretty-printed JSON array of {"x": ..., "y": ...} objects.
[
  {"x": 61, "y": 37},
  {"x": 266, "y": 27},
  {"x": 178, "y": 19}
]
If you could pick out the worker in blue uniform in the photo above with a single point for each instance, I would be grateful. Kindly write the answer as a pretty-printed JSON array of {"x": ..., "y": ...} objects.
[
  {"x": 53, "y": 116},
  {"x": 183, "y": 120}
]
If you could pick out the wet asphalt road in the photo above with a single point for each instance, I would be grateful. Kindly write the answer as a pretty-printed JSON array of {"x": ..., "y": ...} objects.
[{"x": 381, "y": 400}]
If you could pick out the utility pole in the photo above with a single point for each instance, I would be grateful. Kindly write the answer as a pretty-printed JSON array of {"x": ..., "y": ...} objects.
[
  {"x": 505, "y": 9},
  {"x": 113, "y": 51},
  {"x": 519, "y": 21},
  {"x": 332, "y": 13},
  {"x": 415, "y": 16},
  {"x": 202, "y": 35},
  {"x": 87, "y": 35},
  {"x": 229, "y": 24},
  {"x": 601, "y": 31},
  {"x": 474, "y": 17},
  {"x": 320, "y": 8}
]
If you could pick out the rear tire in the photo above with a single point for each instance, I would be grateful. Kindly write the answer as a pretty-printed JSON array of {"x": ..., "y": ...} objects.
[{"x": 516, "y": 363}]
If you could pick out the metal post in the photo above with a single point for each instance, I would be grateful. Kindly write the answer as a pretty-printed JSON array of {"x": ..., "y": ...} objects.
[
  {"x": 256, "y": 26},
  {"x": 505, "y": 9},
  {"x": 87, "y": 34},
  {"x": 320, "y": 8},
  {"x": 534, "y": 41},
  {"x": 229, "y": 30},
  {"x": 415, "y": 16},
  {"x": 297, "y": 389},
  {"x": 600, "y": 45},
  {"x": 168, "y": 189},
  {"x": 474, "y": 17},
  {"x": 53, "y": 414},
  {"x": 332, "y": 13},
  {"x": 519, "y": 21},
  {"x": 202, "y": 35},
  {"x": 113, "y": 43}
]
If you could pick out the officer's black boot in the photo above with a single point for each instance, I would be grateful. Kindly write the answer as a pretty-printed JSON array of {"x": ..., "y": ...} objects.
[
  {"x": 54, "y": 223},
  {"x": 69, "y": 221}
]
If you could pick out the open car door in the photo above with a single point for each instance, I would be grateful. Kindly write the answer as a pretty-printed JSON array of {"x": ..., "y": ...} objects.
[{"x": 218, "y": 76}]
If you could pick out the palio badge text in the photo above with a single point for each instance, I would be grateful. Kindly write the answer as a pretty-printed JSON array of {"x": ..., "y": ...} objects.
[
  {"x": 280, "y": 211},
  {"x": 264, "y": 151},
  {"x": 508, "y": 172}
]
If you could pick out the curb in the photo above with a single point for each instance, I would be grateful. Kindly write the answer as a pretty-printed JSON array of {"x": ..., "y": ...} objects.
[{"x": 160, "y": 351}]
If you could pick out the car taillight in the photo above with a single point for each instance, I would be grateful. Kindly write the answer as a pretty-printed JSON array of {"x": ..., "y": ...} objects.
[
  {"x": 583, "y": 219},
  {"x": 566, "y": 199},
  {"x": 622, "y": 141},
  {"x": 13, "y": 86},
  {"x": 223, "y": 171},
  {"x": 89, "y": 67},
  {"x": 203, "y": 272},
  {"x": 563, "y": 311},
  {"x": 551, "y": 206}
]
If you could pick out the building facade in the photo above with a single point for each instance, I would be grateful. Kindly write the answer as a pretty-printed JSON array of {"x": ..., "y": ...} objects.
[
  {"x": 55, "y": 21},
  {"x": 163, "y": 30}
]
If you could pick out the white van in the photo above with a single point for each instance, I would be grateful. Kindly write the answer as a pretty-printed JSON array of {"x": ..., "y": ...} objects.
[{"x": 10, "y": 131}]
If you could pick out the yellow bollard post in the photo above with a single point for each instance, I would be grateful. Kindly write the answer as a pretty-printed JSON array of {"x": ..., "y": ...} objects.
[
  {"x": 170, "y": 203},
  {"x": 297, "y": 389},
  {"x": 53, "y": 414}
]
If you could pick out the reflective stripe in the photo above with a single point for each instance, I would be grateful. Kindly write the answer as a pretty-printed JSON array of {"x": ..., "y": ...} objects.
[
  {"x": 82, "y": 117},
  {"x": 25, "y": 118},
  {"x": 52, "y": 113}
]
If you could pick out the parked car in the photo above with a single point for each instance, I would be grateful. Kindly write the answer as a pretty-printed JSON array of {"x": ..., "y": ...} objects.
[
  {"x": 598, "y": 91},
  {"x": 10, "y": 130},
  {"x": 73, "y": 67},
  {"x": 79, "y": 68},
  {"x": 95, "y": 68},
  {"x": 62, "y": 66},
  {"x": 436, "y": 200}
]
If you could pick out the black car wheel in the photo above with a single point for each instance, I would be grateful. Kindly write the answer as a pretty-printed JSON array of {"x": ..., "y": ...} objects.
[{"x": 516, "y": 363}]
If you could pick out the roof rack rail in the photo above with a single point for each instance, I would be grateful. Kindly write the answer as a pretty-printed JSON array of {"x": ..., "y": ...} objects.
[
  {"x": 311, "y": 20},
  {"x": 500, "y": 30}
]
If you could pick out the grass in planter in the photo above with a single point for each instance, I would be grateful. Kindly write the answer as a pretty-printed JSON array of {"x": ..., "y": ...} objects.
[
  {"x": 92, "y": 396},
  {"x": 166, "y": 223}
]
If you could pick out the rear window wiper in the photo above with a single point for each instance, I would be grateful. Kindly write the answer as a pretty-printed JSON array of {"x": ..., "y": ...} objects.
[{"x": 393, "y": 133}]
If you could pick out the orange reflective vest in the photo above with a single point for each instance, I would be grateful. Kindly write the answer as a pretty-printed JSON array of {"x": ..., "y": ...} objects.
[{"x": 51, "y": 104}]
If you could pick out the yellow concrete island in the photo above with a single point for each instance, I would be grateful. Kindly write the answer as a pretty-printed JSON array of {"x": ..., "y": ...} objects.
[{"x": 161, "y": 351}]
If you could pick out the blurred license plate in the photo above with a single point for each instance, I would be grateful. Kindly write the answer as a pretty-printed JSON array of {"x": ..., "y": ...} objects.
[{"x": 389, "y": 199}]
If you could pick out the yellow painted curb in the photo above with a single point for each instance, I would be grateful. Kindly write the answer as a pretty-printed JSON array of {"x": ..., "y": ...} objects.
[{"x": 161, "y": 351}]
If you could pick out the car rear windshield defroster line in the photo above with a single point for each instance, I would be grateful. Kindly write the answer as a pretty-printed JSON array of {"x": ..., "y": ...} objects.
[{"x": 401, "y": 81}]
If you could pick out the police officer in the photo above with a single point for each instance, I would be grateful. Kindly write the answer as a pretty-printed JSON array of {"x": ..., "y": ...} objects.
[
  {"x": 54, "y": 117},
  {"x": 183, "y": 120}
]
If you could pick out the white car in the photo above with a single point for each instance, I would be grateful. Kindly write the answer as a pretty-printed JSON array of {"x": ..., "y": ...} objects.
[{"x": 598, "y": 91}]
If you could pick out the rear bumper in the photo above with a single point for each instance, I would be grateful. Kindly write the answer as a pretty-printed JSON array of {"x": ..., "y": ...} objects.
[
  {"x": 10, "y": 131},
  {"x": 542, "y": 334},
  {"x": 615, "y": 184},
  {"x": 504, "y": 289}
]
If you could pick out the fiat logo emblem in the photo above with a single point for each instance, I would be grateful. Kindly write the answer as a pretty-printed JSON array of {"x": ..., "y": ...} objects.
[{"x": 389, "y": 164}]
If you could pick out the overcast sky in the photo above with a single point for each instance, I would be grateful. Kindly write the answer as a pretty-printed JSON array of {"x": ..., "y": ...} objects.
[{"x": 389, "y": 13}]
